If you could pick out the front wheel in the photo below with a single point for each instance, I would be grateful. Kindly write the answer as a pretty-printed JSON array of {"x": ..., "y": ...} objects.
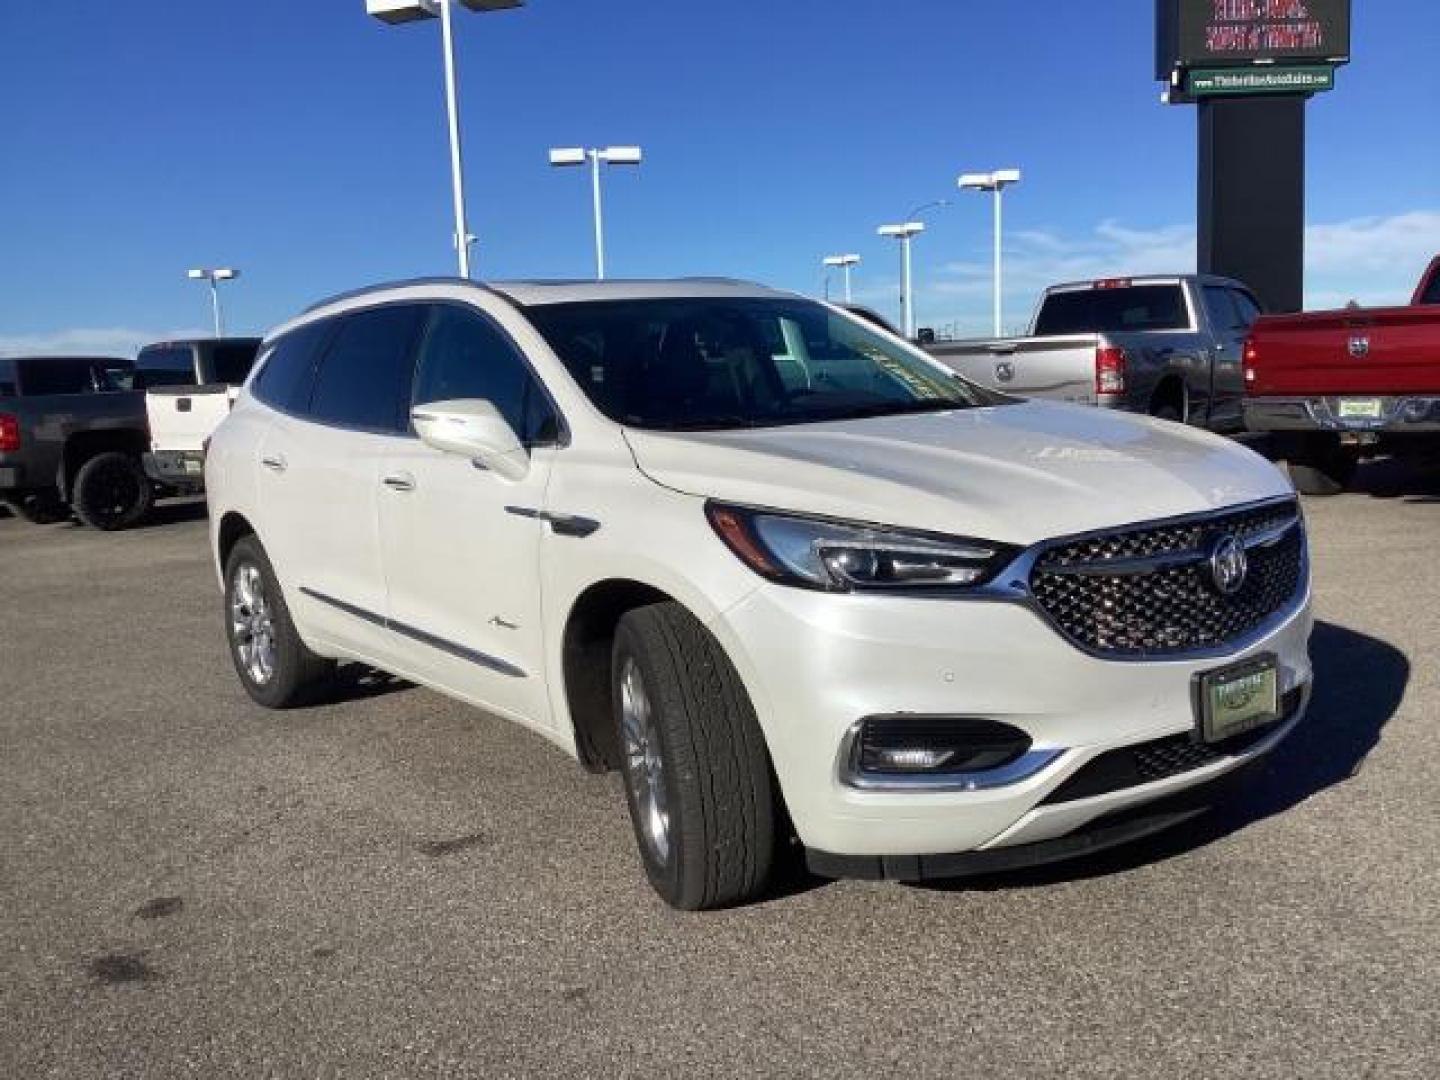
[
  {"x": 697, "y": 775},
  {"x": 274, "y": 666},
  {"x": 111, "y": 492}
]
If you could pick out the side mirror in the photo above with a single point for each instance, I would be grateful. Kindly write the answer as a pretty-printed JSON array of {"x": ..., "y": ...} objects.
[{"x": 473, "y": 428}]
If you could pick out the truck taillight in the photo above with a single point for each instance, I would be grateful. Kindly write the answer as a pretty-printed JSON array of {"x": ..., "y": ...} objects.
[
  {"x": 1249, "y": 356},
  {"x": 9, "y": 432},
  {"x": 1110, "y": 364}
]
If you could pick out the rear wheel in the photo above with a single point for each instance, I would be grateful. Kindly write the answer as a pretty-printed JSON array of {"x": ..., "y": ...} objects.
[
  {"x": 1320, "y": 465},
  {"x": 275, "y": 667},
  {"x": 111, "y": 492},
  {"x": 697, "y": 776}
]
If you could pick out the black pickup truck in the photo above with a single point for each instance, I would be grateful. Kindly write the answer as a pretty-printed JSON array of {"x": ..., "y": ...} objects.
[{"x": 72, "y": 432}]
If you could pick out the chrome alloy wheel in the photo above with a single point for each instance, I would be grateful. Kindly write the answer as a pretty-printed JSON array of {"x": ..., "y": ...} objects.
[
  {"x": 252, "y": 625},
  {"x": 644, "y": 768}
]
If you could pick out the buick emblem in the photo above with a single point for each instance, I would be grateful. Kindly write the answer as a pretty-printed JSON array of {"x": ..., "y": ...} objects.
[
  {"x": 1359, "y": 346},
  {"x": 1229, "y": 565},
  {"x": 1005, "y": 371}
]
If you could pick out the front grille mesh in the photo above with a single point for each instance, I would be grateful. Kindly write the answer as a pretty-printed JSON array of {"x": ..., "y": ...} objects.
[{"x": 1172, "y": 609}]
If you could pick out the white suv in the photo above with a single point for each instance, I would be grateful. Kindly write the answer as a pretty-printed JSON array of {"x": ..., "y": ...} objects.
[{"x": 776, "y": 565}]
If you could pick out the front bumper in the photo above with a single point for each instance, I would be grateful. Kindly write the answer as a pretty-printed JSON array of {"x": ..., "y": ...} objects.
[
  {"x": 1417, "y": 414},
  {"x": 817, "y": 662},
  {"x": 184, "y": 469}
]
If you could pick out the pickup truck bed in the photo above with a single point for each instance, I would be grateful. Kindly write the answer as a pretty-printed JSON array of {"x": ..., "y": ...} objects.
[
  {"x": 1335, "y": 385},
  {"x": 1166, "y": 346}
]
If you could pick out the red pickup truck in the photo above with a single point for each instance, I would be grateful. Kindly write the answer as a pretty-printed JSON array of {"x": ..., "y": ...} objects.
[{"x": 1336, "y": 385}]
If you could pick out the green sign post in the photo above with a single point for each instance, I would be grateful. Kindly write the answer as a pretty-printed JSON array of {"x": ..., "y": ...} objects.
[{"x": 1215, "y": 82}]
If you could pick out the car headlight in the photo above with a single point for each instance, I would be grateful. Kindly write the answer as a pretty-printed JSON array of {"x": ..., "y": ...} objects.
[{"x": 840, "y": 556}]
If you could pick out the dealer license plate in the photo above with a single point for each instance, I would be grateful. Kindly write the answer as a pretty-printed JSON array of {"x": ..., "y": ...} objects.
[
  {"x": 1238, "y": 699},
  {"x": 1360, "y": 409}
]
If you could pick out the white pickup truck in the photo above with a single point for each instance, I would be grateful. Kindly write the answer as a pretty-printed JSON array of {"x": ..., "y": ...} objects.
[
  {"x": 1167, "y": 346},
  {"x": 189, "y": 387}
]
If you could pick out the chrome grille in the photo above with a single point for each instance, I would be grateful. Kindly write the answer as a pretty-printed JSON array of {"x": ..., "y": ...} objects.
[{"x": 1146, "y": 590}]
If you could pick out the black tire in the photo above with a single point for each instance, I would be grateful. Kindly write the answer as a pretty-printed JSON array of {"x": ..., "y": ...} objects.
[
  {"x": 710, "y": 754},
  {"x": 1167, "y": 411},
  {"x": 111, "y": 492},
  {"x": 293, "y": 675},
  {"x": 1320, "y": 466},
  {"x": 38, "y": 509}
]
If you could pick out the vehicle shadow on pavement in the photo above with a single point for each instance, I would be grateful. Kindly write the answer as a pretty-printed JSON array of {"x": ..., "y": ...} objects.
[
  {"x": 1392, "y": 478},
  {"x": 357, "y": 682},
  {"x": 1359, "y": 686}
]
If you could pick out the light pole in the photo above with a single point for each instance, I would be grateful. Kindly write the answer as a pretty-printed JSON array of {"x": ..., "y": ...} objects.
[
  {"x": 568, "y": 157},
  {"x": 905, "y": 232},
  {"x": 997, "y": 182},
  {"x": 214, "y": 277},
  {"x": 847, "y": 263},
  {"x": 402, "y": 11}
]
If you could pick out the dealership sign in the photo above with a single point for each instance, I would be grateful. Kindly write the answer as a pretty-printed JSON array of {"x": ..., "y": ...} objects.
[
  {"x": 1211, "y": 82},
  {"x": 1224, "y": 33}
]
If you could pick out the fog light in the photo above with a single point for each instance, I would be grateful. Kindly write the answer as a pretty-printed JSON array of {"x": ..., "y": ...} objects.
[{"x": 935, "y": 745}]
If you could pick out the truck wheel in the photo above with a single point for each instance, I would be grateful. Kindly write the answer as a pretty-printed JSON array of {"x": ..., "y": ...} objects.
[
  {"x": 38, "y": 509},
  {"x": 697, "y": 776},
  {"x": 275, "y": 667},
  {"x": 111, "y": 492},
  {"x": 1319, "y": 465}
]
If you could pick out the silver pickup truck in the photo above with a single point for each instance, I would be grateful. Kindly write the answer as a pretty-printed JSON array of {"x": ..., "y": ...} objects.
[{"x": 1167, "y": 346}]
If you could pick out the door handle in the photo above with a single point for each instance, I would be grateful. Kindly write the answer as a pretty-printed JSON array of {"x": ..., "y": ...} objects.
[
  {"x": 275, "y": 463},
  {"x": 399, "y": 482}
]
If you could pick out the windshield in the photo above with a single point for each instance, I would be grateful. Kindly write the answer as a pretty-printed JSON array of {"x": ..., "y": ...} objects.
[
  {"x": 714, "y": 364},
  {"x": 1099, "y": 311}
]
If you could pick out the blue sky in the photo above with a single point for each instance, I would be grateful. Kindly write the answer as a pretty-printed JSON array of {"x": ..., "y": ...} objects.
[{"x": 304, "y": 143}]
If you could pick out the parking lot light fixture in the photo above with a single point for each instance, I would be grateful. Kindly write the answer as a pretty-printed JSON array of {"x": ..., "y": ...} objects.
[
  {"x": 403, "y": 11},
  {"x": 214, "y": 277},
  {"x": 846, "y": 263},
  {"x": 995, "y": 182},
  {"x": 905, "y": 232},
  {"x": 571, "y": 156}
]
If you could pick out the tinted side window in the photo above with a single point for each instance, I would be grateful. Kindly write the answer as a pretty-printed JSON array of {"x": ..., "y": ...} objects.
[
  {"x": 169, "y": 366},
  {"x": 364, "y": 379},
  {"x": 231, "y": 363},
  {"x": 57, "y": 375},
  {"x": 7, "y": 378},
  {"x": 464, "y": 355},
  {"x": 289, "y": 371},
  {"x": 1432, "y": 291}
]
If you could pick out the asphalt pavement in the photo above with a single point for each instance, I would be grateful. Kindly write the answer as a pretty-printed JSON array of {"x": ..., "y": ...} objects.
[{"x": 397, "y": 885}]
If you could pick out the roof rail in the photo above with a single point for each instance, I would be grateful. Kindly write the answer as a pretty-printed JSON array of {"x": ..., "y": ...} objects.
[{"x": 354, "y": 294}]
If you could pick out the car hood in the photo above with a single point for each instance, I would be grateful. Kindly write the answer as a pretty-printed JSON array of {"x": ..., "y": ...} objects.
[{"x": 1013, "y": 473}]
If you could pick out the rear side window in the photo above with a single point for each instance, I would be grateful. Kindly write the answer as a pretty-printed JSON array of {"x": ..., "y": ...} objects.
[
  {"x": 1247, "y": 307},
  {"x": 7, "y": 378},
  {"x": 232, "y": 363},
  {"x": 464, "y": 355},
  {"x": 289, "y": 371},
  {"x": 1099, "y": 311},
  {"x": 56, "y": 375},
  {"x": 172, "y": 365},
  {"x": 364, "y": 380}
]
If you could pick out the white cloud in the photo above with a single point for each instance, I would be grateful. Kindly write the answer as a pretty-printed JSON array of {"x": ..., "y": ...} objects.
[
  {"x": 1375, "y": 260},
  {"x": 88, "y": 341}
]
